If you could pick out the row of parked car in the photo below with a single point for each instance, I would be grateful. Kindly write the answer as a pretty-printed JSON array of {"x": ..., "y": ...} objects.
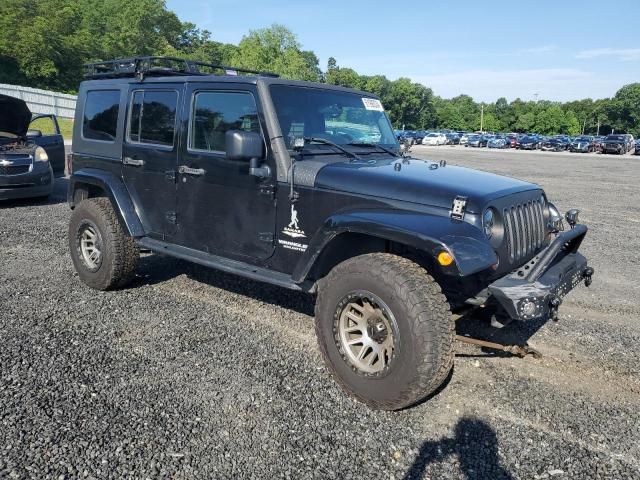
[{"x": 620, "y": 143}]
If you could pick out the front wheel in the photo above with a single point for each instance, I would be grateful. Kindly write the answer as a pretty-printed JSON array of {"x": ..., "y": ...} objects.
[
  {"x": 103, "y": 254},
  {"x": 385, "y": 330}
]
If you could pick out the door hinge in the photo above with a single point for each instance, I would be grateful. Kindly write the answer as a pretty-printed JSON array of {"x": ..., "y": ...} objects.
[
  {"x": 171, "y": 217},
  {"x": 170, "y": 175},
  {"x": 268, "y": 190},
  {"x": 266, "y": 237}
]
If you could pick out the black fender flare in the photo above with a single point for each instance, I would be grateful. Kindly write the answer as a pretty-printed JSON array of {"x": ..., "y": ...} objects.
[
  {"x": 429, "y": 233},
  {"x": 117, "y": 192}
]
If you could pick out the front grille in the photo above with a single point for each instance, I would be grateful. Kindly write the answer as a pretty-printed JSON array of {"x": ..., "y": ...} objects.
[
  {"x": 13, "y": 169},
  {"x": 524, "y": 229}
]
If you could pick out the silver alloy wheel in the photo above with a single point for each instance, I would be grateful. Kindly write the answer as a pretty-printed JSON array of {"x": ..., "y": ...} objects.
[
  {"x": 366, "y": 334},
  {"x": 90, "y": 246}
]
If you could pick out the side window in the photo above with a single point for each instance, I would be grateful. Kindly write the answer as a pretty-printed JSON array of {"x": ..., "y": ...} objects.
[
  {"x": 153, "y": 117},
  {"x": 45, "y": 125},
  {"x": 214, "y": 113},
  {"x": 101, "y": 115}
]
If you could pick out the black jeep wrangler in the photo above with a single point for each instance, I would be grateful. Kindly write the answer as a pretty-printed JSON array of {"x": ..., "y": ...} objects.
[{"x": 303, "y": 185}]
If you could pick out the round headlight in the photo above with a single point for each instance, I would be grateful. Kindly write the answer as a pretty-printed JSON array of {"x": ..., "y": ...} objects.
[
  {"x": 555, "y": 219},
  {"x": 488, "y": 222},
  {"x": 41, "y": 155}
]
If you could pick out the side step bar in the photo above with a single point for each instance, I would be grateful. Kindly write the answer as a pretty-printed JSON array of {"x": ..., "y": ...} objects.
[{"x": 226, "y": 265}]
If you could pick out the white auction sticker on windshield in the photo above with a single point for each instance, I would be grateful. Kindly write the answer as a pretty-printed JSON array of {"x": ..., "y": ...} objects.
[{"x": 372, "y": 104}]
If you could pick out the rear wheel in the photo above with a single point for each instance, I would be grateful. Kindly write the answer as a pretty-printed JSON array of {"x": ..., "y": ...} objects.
[
  {"x": 385, "y": 330},
  {"x": 104, "y": 256}
]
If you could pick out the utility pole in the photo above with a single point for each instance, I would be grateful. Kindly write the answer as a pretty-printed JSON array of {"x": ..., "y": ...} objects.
[
  {"x": 598, "y": 132},
  {"x": 481, "y": 117}
]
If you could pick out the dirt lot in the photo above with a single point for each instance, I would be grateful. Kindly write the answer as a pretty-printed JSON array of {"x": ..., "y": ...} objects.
[{"x": 194, "y": 374}]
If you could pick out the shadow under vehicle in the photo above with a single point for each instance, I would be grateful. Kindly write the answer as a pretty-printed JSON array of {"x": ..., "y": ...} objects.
[
  {"x": 29, "y": 159},
  {"x": 304, "y": 186}
]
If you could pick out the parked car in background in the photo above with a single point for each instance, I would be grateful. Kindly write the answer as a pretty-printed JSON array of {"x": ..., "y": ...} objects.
[
  {"x": 597, "y": 140},
  {"x": 529, "y": 142},
  {"x": 452, "y": 138},
  {"x": 475, "y": 140},
  {"x": 406, "y": 138},
  {"x": 630, "y": 142},
  {"x": 464, "y": 139},
  {"x": 637, "y": 147},
  {"x": 498, "y": 142},
  {"x": 555, "y": 144},
  {"x": 583, "y": 144},
  {"x": 28, "y": 158},
  {"x": 434, "y": 138},
  {"x": 512, "y": 138},
  {"x": 615, "y": 143}
]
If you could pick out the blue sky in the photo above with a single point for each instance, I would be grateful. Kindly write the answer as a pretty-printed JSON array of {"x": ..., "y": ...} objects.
[{"x": 561, "y": 50}]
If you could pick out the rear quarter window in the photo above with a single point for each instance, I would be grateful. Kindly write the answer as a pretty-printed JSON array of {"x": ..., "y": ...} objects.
[{"x": 100, "y": 119}]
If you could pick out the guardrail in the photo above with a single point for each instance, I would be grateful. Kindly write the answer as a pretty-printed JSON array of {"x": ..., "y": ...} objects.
[{"x": 43, "y": 101}]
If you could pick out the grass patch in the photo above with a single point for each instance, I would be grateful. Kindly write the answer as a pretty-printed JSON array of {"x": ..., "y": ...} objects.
[
  {"x": 45, "y": 125},
  {"x": 66, "y": 127}
]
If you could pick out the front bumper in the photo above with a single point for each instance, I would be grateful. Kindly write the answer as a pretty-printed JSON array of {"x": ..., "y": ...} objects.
[
  {"x": 36, "y": 183},
  {"x": 612, "y": 148},
  {"x": 536, "y": 289}
]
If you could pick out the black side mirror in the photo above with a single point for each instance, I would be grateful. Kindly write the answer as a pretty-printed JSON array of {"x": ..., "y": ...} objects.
[
  {"x": 247, "y": 146},
  {"x": 34, "y": 133}
]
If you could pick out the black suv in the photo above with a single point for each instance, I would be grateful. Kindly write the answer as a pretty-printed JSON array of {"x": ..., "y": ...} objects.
[
  {"x": 28, "y": 158},
  {"x": 302, "y": 185},
  {"x": 619, "y": 143}
]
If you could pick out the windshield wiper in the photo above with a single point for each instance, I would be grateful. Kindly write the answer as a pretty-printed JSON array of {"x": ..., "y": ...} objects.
[
  {"x": 374, "y": 145},
  {"x": 334, "y": 145}
]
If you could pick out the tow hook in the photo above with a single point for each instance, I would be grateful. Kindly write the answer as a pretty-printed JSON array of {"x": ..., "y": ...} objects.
[{"x": 587, "y": 273}]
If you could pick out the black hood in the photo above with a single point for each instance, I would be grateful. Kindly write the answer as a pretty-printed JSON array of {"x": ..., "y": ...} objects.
[
  {"x": 15, "y": 116},
  {"x": 419, "y": 181}
]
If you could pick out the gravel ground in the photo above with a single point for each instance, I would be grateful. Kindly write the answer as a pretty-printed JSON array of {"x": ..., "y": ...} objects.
[{"x": 191, "y": 373}]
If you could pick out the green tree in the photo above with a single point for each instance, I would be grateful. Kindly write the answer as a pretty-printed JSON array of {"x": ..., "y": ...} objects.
[
  {"x": 491, "y": 123},
  {"x": 275, "y": 49},
  {"x": 624, "y": 109}
]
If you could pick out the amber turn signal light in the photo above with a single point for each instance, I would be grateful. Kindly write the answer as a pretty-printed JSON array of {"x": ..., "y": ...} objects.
[{"x": 445, "y": 259}]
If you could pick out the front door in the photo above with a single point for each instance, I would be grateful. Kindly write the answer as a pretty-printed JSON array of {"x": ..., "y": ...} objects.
[
  {"x": 45, "y": 132},
  {"x": 222, "y": 209},
  {"x": 149, "y": 155}
]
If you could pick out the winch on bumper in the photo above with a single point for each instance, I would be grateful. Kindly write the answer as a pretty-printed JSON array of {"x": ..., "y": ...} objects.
[{"x": 537, "y": 288}]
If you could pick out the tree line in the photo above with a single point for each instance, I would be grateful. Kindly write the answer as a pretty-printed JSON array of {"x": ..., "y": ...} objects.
[{"x": 43, "y": 44}]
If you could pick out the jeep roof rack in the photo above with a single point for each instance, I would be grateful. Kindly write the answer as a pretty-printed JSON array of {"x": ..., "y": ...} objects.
[{"x": 140, "y": 67}]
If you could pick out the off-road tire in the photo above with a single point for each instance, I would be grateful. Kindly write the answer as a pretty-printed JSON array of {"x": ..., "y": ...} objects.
[
  {"x": 120, "y": 253},
  {"x": 424, "y": 350}
]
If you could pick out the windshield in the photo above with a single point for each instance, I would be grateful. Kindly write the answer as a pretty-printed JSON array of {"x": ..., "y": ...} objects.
[
  {"x": 615, "y": 137},
  {"x": 340, "y": 117}
]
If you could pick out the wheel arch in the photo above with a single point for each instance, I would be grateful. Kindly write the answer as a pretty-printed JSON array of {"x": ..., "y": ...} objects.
[
  {"x": 91, "y": 183},
  {"x": 416, "y": 235}
]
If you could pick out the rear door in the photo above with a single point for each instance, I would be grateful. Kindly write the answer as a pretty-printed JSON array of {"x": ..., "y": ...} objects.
[
  {"x": 45, "y": 131},
  {"x": 149, "y": 155}
]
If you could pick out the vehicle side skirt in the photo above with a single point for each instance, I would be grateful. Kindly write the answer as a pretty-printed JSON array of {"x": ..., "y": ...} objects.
[{"x": 225, "y": 264}]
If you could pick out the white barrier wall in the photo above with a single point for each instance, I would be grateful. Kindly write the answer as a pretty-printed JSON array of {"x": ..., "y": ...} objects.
[{"x": 43, "y": 101}]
